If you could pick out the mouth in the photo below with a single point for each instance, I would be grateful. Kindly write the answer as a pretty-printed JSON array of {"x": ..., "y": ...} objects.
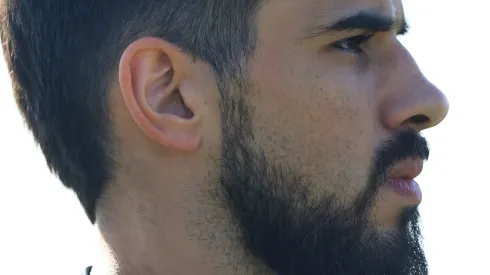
[{"x": 401, "y": 179}]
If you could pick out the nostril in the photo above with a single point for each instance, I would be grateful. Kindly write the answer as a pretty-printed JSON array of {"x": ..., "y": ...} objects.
[{"x": 418, "y": 120}]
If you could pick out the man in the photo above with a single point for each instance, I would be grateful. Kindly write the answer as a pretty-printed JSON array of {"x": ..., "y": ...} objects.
[{"x": 230, "y": 137}]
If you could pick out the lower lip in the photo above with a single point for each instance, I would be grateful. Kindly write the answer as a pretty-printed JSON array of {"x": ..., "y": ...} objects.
[{"x": 405, "y": 188}]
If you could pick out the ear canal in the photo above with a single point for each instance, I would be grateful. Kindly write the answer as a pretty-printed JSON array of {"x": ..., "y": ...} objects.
[{"x": 175, "y": 105}]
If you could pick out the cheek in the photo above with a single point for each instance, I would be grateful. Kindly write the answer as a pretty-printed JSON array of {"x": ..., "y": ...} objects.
[{"x": 321, "y": 124}]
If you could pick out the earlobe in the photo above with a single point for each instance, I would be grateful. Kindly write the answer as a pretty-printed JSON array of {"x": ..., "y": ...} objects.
[{"x": 152, "y": 76}]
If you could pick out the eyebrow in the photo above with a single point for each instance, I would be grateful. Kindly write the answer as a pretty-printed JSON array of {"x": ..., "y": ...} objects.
[{"x": 368, "y": 21}]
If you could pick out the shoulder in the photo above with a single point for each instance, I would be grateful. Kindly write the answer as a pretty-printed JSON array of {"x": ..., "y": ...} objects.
[{"x": 87, "y": 271}]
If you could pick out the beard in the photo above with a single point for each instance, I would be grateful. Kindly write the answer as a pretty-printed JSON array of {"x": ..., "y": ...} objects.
[{"x": 282, "y": 226}]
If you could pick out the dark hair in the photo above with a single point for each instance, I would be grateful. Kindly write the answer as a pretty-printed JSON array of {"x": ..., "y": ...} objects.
[{"x": 63, "y": 55}]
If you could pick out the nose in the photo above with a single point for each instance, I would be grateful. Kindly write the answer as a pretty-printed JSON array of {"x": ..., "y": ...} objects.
[{"x": 412, "y": 100}]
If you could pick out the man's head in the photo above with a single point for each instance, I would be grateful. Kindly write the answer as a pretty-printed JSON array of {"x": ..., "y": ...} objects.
[{"x": 231, "y": 137}]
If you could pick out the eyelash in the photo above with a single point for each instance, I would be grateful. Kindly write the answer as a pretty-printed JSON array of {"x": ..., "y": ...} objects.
[{"x": 353, "y": 44}]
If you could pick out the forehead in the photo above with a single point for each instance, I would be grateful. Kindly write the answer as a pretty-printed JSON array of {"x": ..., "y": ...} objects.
[
  {"x": 336, "y": 8},
  {"x": 296, "y": 15},
  {"x": 354, "y": 5}
]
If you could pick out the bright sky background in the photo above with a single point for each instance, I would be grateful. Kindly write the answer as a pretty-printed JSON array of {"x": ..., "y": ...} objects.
[{"x": 44, "y": 230}]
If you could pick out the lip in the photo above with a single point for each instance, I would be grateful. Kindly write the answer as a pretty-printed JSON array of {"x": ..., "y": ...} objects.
[
  {"x": 408, "y": 189},
  {"x": 401, "y": 180},
  {"x": 407, "y": 169}
]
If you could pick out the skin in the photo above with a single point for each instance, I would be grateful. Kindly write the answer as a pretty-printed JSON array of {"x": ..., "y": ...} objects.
[{"x": 315, "y": 108}]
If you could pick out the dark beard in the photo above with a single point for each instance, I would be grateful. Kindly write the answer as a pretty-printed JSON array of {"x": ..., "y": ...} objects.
[{"x": 281, "y": 226}]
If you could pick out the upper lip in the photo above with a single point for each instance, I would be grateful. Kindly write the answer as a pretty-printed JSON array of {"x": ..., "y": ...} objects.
[{"x": 407, "y": 169}]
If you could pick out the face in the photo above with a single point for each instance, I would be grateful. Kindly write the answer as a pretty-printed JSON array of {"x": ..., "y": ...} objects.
[{"x": 310, "y": 153}]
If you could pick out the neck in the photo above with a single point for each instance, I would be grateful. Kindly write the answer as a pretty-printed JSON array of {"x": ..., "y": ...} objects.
[
  {"x": 141, "y": 247},
  {"x": 126, "y": 250},
  {"x": 144, "y": 235}
]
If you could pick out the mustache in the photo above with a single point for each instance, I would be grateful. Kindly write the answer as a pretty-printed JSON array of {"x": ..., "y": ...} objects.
[{"x": 404, "y": 144}]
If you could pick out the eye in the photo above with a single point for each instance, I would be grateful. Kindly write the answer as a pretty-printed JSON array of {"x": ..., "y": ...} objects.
[{"x": 353, "y": 44}]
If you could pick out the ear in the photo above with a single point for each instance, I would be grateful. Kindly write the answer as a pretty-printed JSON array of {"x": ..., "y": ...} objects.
[{"x": 152, "y": 76}]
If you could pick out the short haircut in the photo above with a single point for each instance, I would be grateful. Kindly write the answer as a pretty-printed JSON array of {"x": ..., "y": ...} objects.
[{"x": 63, "y": 56}]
